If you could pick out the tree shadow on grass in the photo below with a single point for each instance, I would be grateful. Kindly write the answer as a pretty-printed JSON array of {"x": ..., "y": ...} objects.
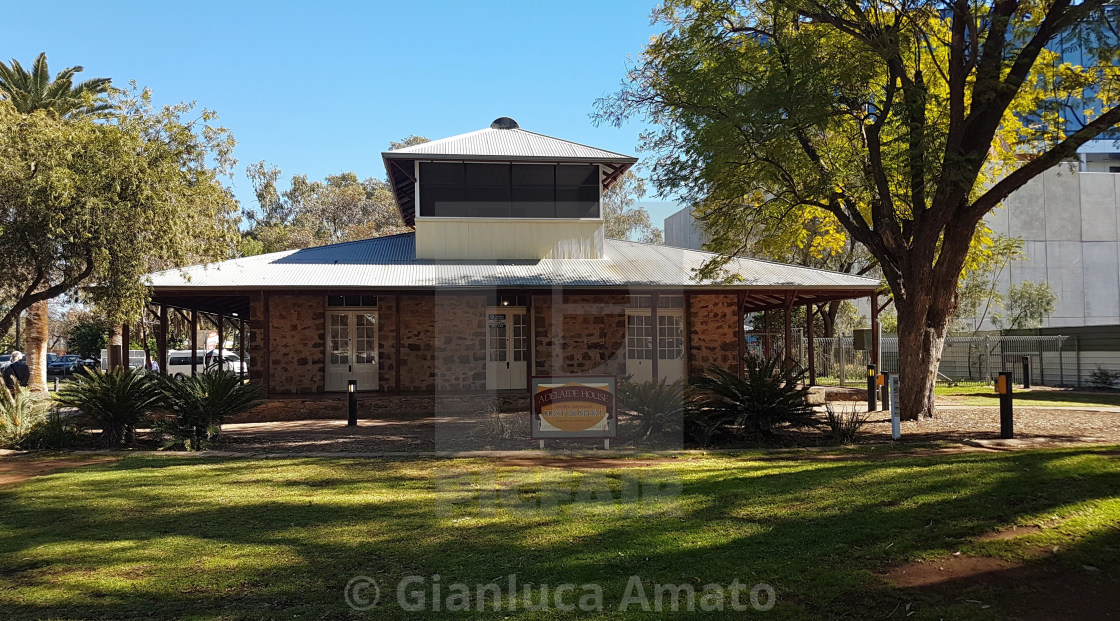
[{"x": 155, "y": 537}]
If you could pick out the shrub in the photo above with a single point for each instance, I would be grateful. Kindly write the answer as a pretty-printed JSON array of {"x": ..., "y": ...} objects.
[
  {"x": 20, "y": 414},
  {"x": 846, "y": 424},
  {"x": 1103, "y": 378},
  {"x": 56, "y": 432},
  {"x": 200, "y": 404},
  {"x": 116, "y": 400},
  {"x": 659, "y": 407},
  {"x": 492, "y": 425},
  {"x": 766, "y": 396}
]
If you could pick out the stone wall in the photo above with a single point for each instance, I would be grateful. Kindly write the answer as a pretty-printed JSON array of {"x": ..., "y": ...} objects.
[
  {"x": 443, "y": 339},
  {"x": 298, "y": 350},
  {"x": 713, "y": 337},
  {"x": 579, "y": 334}
]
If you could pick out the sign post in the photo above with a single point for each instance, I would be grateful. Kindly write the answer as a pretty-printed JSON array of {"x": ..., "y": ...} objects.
[
  {"x": 574, "y": 406},
  {"x": 896, "y": 415},
  {"x": 1006, "y": 415}
]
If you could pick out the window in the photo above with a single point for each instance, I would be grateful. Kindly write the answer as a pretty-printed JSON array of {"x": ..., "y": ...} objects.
[
  {"x": 670, "y": 301},
  {"x": 483, "y": 190},
  {"x": 507, "y": 299},
  {"x": 352, "y": 299}
]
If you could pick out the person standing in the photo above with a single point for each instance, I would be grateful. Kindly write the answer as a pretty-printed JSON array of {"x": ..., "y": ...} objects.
[{"x": 18, "y": 373}]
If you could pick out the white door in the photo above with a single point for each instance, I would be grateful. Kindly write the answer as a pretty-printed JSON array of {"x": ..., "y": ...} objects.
[
  {"x": 639, "y": 345},
  {"x": 507, "y": 348},
  {"x": 351, "y": 350},
  {"x": 670, "y": 345}
]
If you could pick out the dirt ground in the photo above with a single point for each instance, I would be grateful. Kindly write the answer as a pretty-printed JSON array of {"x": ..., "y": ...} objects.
[
  {"x": 409, "y": 434},
  {"x": 20, "y": 469},
  {"x": 1039, "y": 589}
]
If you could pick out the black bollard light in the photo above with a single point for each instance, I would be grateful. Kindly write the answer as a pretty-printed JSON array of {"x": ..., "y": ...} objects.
[
  {"x": 352, "y": 392},
  {"x": 1026, "y": 371},
  {"x": 885, "y": 379},
  {"x": 871, "y": 405},
  {"x": 1006, "y": 415}
]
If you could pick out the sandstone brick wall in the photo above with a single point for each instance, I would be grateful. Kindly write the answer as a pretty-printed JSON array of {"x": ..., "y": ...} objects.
[
  {"x": 386, "y": 342},
  {"x": 443, "y": 344},
  {"x": 713, "y": 335},
  {"x": 579, "y": 334},
  {"x": 460, "y": 346},
  {"x": 298, "y": 350},
  {"x": 443, "y": 339}
]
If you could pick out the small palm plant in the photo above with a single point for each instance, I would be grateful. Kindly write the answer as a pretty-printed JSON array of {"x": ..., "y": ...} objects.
[
  {"x": 658, "y": 406},
  {"x": 117, "y": 400},
  {"x": 20, "y": 415},
  {"x": 753, "y": 405},
  {"x": 200, "y": 404}
]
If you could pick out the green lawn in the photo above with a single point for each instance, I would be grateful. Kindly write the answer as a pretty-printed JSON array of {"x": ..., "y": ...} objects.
[
  {"x": 171, "y": 537},
  {"x": 986, "y": 395}
]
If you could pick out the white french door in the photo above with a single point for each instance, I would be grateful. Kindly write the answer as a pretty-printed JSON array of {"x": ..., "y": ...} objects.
[
  {"x": 639, "y": 345},
  {"x": 351, "y": 350},
  {"x": 507, "y": 348},
  {"x": 640, "y": 333},
  {"x": 670, "y": 345}
]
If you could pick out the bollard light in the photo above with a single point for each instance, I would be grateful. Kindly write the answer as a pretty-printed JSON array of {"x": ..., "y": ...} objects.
[
  {"x": 872, "y": 406},
  {"x": 1006, "y": 408},
  {"x": 352, "y": 390}
]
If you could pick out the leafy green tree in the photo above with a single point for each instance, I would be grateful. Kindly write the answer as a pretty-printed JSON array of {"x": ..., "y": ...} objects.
[
  {"x": 907, "y": 122},
  {"x": 107, "y": 201},
  {"x": 1028, "y": 303},
  {"x": 29, "y": 92},
  {"x": 623, "y": 218},
  {"x": 978, "y": 295},
  {"x": 87, "y": 338},
  {"x": 312, "y": 213},
  {"x": 33, "y": 90}
]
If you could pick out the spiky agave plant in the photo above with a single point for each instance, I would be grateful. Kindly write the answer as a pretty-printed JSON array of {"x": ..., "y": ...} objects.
[
  {"x": 753, "y": 405},
  {"x": 20, "y": 414},
  {"x": 200, "y": 404},
  {"x": 117, "y": 400},
  {"x": 658, "y": 406}
]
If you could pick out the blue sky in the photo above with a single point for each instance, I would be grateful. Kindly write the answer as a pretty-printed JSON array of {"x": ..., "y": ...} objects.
[{"x": 322, "y": 87}]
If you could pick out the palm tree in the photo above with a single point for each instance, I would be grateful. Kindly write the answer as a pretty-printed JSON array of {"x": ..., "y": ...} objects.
[
  {"x": 35, "y": 90},
  {"x": 29, "y": 92}
]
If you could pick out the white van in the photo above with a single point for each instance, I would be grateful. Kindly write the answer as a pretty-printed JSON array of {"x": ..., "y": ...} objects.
[{"x": 179, "y": 362}]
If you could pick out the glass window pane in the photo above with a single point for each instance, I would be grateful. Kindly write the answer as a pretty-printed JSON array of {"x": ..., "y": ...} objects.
[
  {"x": 443, "y": 201},
  {"x": 575, "y": 175},
  {"x": 533, "y": 202},
  {"x": 534, "y": 174},
  {"x": 488, "y": 175},
  {"x": 442, "y": 173}
]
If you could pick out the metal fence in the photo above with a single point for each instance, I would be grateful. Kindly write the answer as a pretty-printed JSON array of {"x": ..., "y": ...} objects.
[{"x": 965, "y": 359}]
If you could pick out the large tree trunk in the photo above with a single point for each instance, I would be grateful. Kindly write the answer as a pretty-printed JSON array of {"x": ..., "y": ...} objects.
[
  {"x": 923, "y": 321},
  {"x": 37, "y": 335},
  {"x": 116, "y": 343}
]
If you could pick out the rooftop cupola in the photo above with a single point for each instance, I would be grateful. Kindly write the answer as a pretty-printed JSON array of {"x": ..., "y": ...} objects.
[{"x": 504, "y": 193}]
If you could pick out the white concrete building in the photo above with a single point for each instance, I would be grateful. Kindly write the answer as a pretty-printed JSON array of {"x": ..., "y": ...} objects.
[{"x": 1068, "y": 222}]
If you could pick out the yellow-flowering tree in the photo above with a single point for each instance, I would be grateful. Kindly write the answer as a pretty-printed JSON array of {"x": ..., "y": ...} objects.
[{"x": 905, "y": 121}]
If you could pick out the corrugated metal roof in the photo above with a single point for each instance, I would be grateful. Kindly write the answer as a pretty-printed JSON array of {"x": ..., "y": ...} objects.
[
  {"x": 390, "y": 262},
  {"x": 507, "y": 144}
]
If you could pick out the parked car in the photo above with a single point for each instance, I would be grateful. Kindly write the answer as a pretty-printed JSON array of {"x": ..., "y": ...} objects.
[
  {"x": 64, "y": 365},
  {"x": 179, "y": 362},
  {"x": 5, "y": 360}
]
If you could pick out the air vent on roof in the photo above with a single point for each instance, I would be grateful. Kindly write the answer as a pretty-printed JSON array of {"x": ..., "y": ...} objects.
[{"x": 504, "y": 122}]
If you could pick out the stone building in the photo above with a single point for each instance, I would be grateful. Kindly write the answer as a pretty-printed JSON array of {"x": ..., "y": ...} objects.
[{"x": 506, "y": 275}]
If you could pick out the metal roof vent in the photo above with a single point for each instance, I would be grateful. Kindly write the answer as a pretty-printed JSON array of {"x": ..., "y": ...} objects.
[{"x": 504, "y": 122}]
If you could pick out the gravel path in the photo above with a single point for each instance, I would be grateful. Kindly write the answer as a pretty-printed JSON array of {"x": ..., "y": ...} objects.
[{"x": 1033, "y": 426}]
